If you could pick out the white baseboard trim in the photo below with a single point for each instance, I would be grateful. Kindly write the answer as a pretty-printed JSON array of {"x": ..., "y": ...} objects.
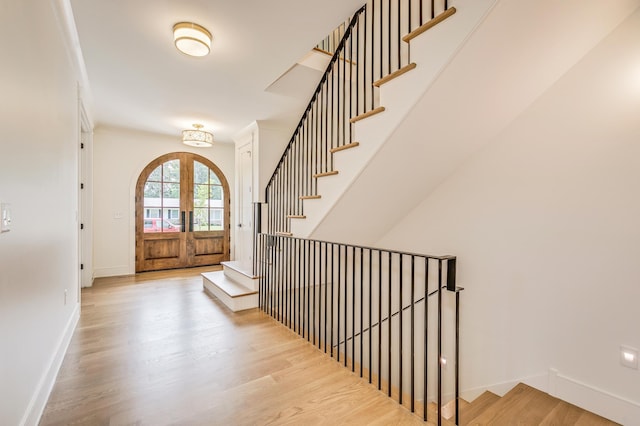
[
  {"x": 45, "y": 385},
  {"x": 538, "y": 381},
  {"x": 601, "y": 402},
  {"x": 115, "y": 271}
]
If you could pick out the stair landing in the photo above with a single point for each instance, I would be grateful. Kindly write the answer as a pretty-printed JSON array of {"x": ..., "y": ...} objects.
[{"x": 524, "y": 405}]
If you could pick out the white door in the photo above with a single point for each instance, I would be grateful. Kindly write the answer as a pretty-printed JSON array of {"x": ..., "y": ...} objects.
[{"x": 244, "y": 253}]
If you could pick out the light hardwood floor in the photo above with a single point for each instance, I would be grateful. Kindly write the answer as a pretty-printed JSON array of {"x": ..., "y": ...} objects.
[{"x": 154, "y": 349}]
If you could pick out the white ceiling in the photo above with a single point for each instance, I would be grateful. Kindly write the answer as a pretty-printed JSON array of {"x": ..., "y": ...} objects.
[{"x": 137, "y": 79}]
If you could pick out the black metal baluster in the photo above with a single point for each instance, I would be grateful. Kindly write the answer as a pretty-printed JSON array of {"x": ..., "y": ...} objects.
[
  {"x": 361, "y": 311},
  {"x": 314, "y": 283},
  {"x": 399, "y": 35},
  {"x": 346, "y": 280},
  {"x": 379, "y": 320},
  {"x": 439, "y": 342},
  {"x": 426, "y": 336},
  {"x": 333, "y": 281},
  {"x": 389, "y": 313},
  {"x": 370, "y": 309},
  {"x": 457, "y": 370},
  {"x": 400, "y": 315},
  {"x": 413, "y": 336},
  {"x": 388, "y": 39},
  {"x": 308, "y": 284},
  {"x": 353, "y": 309},
  {"x": 338, "y": 304},
  {"x": 326, "y": 290},
  {"x": 364, "y": 63}
]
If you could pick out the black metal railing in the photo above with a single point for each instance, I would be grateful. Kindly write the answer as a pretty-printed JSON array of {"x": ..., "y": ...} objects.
[
  {"x": 371, "y": 47},
  {"x": 368, "y": 308}
]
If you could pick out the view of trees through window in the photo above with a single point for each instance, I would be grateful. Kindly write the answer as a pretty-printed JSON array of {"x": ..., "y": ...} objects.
[
  {"x": 162, "y": 199},
  {"x": 208, "y": 199}
]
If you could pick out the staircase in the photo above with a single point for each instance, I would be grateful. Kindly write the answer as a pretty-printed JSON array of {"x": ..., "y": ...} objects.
[
  {"x": 378, "y": 73},
  {"x": 234, "y": 286},
  {"x": 522, "y": 405}
]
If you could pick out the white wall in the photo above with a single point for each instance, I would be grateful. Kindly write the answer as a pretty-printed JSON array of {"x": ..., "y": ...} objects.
[
  {"x": 545, "y": 223},
  {"x": 39, "y": 139},
  {"x": 119, "y": 157}
]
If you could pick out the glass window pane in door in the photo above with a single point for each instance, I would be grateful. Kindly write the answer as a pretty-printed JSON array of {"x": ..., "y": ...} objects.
[
  {"x": 217, "y": 219},
  {"x": 200, "y": 173},
  {"x": 171, "y": 171},
  {"x": 200, "y": 219},
  {"x": 152, "y": 196},
  {"x": 156, "y": 175},
  {"x": 161, "y": 204},
  {"x": 200, "y": 195}
]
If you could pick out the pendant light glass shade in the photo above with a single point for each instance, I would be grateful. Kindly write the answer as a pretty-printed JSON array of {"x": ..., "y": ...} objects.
[
  {"x": 192, "y": 39},
  {"x": 198, "y": 138}
]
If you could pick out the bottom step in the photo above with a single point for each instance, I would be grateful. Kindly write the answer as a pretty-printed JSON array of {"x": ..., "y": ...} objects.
[{"x": 235, "y": 296}]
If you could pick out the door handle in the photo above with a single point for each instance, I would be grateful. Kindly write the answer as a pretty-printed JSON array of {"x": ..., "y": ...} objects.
[
  {"x": 183, "y": 224},
  {"x": 191, "y": 221}
]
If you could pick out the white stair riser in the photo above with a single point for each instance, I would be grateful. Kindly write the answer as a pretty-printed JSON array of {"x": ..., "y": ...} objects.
[
  {"x": 240, "y": 278},
  {"x": 234, "y": 303}
]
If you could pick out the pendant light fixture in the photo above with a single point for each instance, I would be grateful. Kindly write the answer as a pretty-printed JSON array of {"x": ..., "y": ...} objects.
[
  {"x": 198, "y": 138},
  {"x": 192, "y": 39}
]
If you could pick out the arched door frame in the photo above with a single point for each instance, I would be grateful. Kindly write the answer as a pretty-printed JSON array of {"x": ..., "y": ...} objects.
[{"x": 190, "y": 156}]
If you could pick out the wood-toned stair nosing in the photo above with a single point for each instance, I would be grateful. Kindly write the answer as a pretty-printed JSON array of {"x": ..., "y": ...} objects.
[
  {"x": 228, "y": 286},
  {"x": 367, "y": 114},
  {"x": 429, "y": 24},
  {"x": 324, "y": 174},
  {"x": 344, "y": 147},
  {"x": 296, "y": 216},
  {"x": 387, "y": 78},
  {"x": 284, "y": 234},
  {"x": 310, "y": 197},
  {"x": 317, "y": 49}
]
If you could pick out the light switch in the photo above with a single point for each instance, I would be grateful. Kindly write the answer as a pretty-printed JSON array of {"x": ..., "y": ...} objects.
[
  {"x": 629, "y": 357},
  {"x": 5, "y": 217}
]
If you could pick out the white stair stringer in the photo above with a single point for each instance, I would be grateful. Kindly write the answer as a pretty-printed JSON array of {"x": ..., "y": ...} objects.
[
  {"x": 233, "y": 294},
  {"x": 431, "y": 52}
]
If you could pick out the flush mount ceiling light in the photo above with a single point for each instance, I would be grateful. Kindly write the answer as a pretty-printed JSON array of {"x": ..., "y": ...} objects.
[
  {"x": 192, "y": 39},
  {"x": 197, "y": 137}
]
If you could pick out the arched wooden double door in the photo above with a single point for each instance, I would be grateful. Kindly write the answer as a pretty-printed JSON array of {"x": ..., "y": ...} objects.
[{"x": 182, "y": 213}]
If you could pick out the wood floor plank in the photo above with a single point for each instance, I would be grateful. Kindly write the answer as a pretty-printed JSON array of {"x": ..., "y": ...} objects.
[{"x": 154, "y": 349}]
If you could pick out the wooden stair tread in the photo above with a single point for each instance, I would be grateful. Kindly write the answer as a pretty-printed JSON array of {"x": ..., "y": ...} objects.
[
  {"x": 310, "y": 197},
  {"x": 367, "y": 114},
  {"x": 329, "y": 54},
  {"x": 569, "y": 414},
  {"x": 343, "y": 147},
  {"x": 477, "y": 406},
  {"x": 394, "y": 74},
  {"x": 284, "y": 234},
  {"x": 323, "y": 174},
  {"x": 296, "y": 216},
  {"x": 232, "y": 288},
  {"x": 429, "y": 24}
]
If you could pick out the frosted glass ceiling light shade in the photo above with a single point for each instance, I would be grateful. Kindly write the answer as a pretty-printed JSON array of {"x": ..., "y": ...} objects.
[
  {"x": 192, "y": 39},
  {"x": 198, "y": 138}
]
